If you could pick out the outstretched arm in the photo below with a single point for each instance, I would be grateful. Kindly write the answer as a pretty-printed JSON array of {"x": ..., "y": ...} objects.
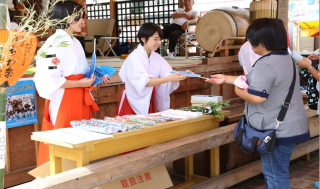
[
  {"x": 220, "y": 79},
  {"x": 304, "y": 63},
  {"x": 171, "y": 78}
]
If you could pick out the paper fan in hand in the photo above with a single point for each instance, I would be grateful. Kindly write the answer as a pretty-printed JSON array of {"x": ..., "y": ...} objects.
[{"x": 101, "y": 72}]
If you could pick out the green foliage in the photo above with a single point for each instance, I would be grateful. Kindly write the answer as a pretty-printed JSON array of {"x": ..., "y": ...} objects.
[
  {"x": 215, "y": 107},
  {"x": 31, "y": 70},
  {"x": 63, "y": 44},
  {"x": 43, "y": 51},
  {"x": 36, "y": 23}
]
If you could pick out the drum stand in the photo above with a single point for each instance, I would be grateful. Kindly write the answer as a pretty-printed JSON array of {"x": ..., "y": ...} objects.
[{"x": 187, "y": 37}]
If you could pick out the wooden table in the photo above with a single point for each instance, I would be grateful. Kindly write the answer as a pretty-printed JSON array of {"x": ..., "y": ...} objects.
[
  {"x": 111, "y": 44},
  {"x": 130, "y": 140}
]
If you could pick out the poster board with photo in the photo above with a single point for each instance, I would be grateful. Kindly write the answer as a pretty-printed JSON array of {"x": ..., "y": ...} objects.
[{"x": 21, "y": 104}]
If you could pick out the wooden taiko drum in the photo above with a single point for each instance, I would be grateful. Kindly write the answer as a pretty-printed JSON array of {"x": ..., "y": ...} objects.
[{"x": 220, "y": 23}]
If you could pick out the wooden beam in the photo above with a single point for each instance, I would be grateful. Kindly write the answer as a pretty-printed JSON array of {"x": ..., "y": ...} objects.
[
  {"x": 218, "y": 67},
  {"x": 282, "y": 11},
  {"x": 36, "y": 128},
  {"x": 192, "y": 86},
  {"x": 112, "y": 169},
  {"x": 180, "y": 4},
  {"x": 252, "y": 169},
  {"x": 188, "y": 183},
  {"x": 113, "y": 10},
  {"x": 109, "y": 97},
  {"x": 18, "y": 176},
  {"x": 7, "y": 165},
  {"x": 230, "y": 47},
  {"x": 219, "y": 60}
]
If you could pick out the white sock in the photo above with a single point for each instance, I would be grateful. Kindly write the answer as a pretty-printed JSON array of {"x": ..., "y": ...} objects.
[{"x": 170, "y": 55}]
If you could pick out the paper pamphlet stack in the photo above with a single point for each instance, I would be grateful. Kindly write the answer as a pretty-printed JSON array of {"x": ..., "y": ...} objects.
[
  {"x": 200, "y": 100},
  {"x": 71, "y": 135},
  {"x": 180, "y": 114}
]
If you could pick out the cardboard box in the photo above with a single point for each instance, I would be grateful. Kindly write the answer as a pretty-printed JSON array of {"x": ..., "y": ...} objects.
[
  {"x": 205, "y": 98},
  {"x": 313, "y": 123},
  {"x": 196, "y": 104},
  {"x": 44, "y": 170},
  {"x": 199, "y": 102},
  {"x": 155, "y": 178}
]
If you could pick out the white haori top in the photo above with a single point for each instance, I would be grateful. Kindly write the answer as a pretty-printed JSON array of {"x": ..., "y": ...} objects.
[
  {"x": 72, "y": 62},
  {"x": 135, "y": 73}
]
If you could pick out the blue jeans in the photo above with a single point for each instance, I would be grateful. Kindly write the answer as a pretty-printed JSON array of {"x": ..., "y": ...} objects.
[{"x": 275, "y": 167}]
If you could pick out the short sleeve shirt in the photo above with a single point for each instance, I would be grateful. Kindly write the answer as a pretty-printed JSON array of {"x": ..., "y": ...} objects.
[
  {"x": 182, "y": 20},
  {"x": 271, "y": 78}
]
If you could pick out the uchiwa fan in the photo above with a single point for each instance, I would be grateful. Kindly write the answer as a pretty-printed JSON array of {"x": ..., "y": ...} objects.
[
  {"x": 263, "y": 9},
  {"x": 101, "y": 72}
]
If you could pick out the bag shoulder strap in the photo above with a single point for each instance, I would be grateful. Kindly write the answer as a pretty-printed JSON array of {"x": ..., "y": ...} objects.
[{"x": 286, "y": 103}]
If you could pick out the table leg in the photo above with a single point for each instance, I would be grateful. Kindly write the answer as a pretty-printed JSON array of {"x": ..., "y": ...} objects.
[
  {"x": 110, "y": 48},
  {"x": 306, "y": 157},
  {"x": 55, "y": 162},
  {"x": 188, "y": 167},
  {"x": 214, "y": 162},
  {"x": 115, "y": 55},
  {"x": 82, "y": 159},
  {"x": 100, "y": 52}
]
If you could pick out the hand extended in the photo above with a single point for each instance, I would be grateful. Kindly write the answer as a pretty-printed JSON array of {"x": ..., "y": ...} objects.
[
  {"x": 185, "y": 25},
  {"x": 86, "y": 82},
  {"x": 313, "y": 57},
  {"x": 304, "y": 63},
  {"x": 176, "y": 77},
  {"x": 217, "y": 79}
]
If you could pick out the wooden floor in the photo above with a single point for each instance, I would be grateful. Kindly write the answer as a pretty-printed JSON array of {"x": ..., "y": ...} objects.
[
  {"x": 303, "y": 175},
  {"x": 176, "y": 62}
]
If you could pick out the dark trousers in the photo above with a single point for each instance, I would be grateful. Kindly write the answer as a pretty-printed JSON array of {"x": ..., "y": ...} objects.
[{"x": 173, "y": 32}]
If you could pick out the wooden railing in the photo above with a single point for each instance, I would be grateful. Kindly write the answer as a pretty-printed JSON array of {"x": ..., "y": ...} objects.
[{"x": 112, "y": 169}]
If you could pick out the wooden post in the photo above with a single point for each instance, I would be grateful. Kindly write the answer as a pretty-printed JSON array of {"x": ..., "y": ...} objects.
[
  {"x": 56, "y": 166},
  {"x": 7, "y": 167},
  {"x": 214, "y": 162},
  {"x": 188, "y": 92},
  {"x": 189, "y": 167},
  {"x": 36, "y": 128},
  {"x": 113, "y": 10},
  {"x": 3, "y": 21},
  {"x": 282, "y": 11},
  {"x": 3, "y": 14},
  {"x": 2, "y": 135},
  {"x": 181, "y": 4}
]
